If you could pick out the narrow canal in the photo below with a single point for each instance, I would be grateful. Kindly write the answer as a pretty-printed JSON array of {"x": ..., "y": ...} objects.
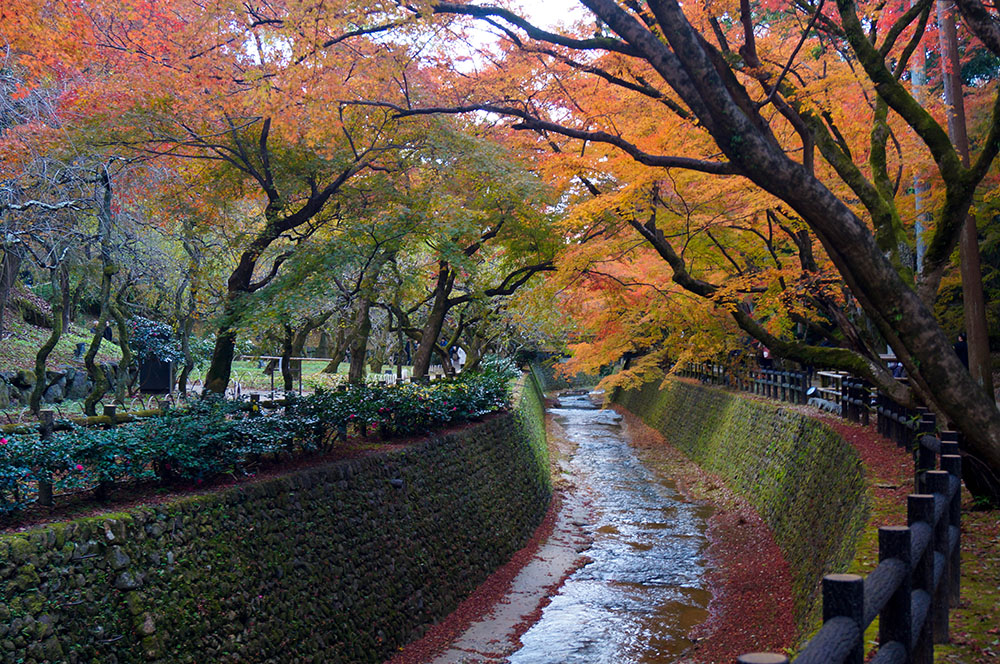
[{"x": 644, "y": 588}]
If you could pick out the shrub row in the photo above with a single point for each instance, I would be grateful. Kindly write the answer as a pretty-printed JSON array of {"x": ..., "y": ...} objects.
[{"x": 215, "y": 436}]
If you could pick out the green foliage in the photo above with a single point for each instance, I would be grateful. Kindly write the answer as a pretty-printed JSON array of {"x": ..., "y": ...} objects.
[
  {"x": 215, "y": 436},
  {"x": 150, "y": 338}
]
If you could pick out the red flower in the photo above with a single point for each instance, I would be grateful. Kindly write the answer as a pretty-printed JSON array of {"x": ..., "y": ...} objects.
[{"x": 79, "y": 467}]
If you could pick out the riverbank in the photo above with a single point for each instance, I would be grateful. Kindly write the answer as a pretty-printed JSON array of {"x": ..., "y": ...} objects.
[
  {"x": 488, "y": 625},
  {"x": 748, "y": 611}
]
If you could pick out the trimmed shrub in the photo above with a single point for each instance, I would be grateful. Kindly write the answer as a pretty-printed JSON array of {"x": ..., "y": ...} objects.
[{"x": 214, "y": 436}]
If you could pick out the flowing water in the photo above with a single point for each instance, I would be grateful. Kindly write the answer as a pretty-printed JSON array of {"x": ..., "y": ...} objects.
[{"x": 644, "y": 589}]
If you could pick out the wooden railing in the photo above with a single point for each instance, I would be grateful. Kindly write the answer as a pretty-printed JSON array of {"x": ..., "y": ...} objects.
[
  {"x": 789, "y": 386},
  {"x": 918, "y": 576},
  {"x": 913, "y": 587}
]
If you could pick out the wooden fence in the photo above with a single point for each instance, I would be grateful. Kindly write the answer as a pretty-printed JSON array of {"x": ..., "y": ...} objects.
[
  {"x": 913, "y": 587},
  {"x": 788, "y": 386},
  {"x": 918, "y": 576}
]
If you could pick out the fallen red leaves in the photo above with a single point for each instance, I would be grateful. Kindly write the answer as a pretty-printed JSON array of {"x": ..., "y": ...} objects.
[
  {"x": 483, "y": 599},
  {"x": 751, "y": 608}
]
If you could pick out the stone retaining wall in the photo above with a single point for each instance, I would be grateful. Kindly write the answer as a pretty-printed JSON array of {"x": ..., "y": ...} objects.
[
  {"x": 340, "y": 563},
  {"x": 803, "y": 479}
]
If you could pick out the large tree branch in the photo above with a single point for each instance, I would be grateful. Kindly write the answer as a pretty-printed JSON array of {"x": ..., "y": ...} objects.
[
  {"x": 266, "y": 279},
  {"x": 529, "y": 122},
  {"x": 509, "y": 284},
  {"x": 76, "y": 204},
  {"x": 983, "y": 24},
  {"x": 476, "y": 11}
]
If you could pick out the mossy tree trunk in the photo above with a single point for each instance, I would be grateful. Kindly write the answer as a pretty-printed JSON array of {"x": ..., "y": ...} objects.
[
  {"x": 123, "y": 383},
  {"x": 187, "y": 327},
  {"x": 340, "y": 343},
  {"x": 108, "y": 271},
  {"x": 10, "y": 263},
  {"x": 35, "y": 400},
  {"x": 359, "y": 340},
  {"x": 287, "y": 375},
  {"x": 89, "y": 360}
]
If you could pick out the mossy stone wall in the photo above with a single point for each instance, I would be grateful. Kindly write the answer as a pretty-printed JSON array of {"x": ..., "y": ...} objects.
[
  {"x": 340, "y": 563},
  {"x": 806, "y": 482}
]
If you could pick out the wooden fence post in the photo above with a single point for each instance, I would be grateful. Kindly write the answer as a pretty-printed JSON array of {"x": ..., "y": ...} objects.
[
  {"x": 46, "y": 420},
  {"x": 939, "y": 481},
  {"x": 920, "y": 508},
  {"x": 925, "y": 460},
  {"x": 865, "y": 396},
  {"x": 845, "y": 398},
  {"x": 844, "y": 596},
  {"x": 952, "y": 463},
  {"x": 895, "y": 621}
]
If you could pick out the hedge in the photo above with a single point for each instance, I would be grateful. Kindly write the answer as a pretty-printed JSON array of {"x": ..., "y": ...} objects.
[{"x": 214, "y": 436}]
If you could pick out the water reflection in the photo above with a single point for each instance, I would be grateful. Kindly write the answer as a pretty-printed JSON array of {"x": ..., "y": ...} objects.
[{"x": 644, "y": 591}]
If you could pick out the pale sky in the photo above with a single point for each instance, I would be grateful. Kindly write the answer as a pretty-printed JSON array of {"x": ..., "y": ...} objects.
[{"x": 547, "y": 13}]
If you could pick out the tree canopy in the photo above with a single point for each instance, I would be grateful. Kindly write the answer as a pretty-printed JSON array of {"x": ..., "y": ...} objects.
[{"x": 696, "y": 177}]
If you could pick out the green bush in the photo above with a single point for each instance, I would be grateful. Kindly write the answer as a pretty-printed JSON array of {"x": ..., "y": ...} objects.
[{"x": 214, "y": 436}]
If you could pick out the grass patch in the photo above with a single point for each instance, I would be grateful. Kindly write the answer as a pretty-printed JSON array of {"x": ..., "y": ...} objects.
[{"x": 19, "y": 347}]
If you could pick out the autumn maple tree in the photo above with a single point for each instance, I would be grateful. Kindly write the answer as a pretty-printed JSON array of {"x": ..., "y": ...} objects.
[{"x": 759, "y": 91}]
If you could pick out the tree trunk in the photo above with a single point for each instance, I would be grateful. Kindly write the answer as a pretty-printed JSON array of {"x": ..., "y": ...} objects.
[
  {"x": 337, "y": 351},
  {"x": 35, "y": 400},
  {"x": 187, "y": 327},
  {"x": 474, "y": 352},
  {"x": 323, "y": 348},
  {"x": 377, "y": 358},
  {"x": 108, "y": 271},
  {"x": 9, "y": 266},
  {"x": 435, "y": 322},
  {"x": 217, "y": 377},
  {"x": 446, "y": 366},
  {"x": 74, "y": 303},
  {"x": 123, "y": 383},
  {"x": 66, "y": 295},
  {"x": 359, "y": 340},
  {"x": 287, "y": 377},
  {"x": 973, "y": 300},
  {"x": 95, "y": 372}
]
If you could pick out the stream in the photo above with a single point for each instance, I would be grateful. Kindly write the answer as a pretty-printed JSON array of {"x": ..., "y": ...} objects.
[{"x": 644, "y": 589}]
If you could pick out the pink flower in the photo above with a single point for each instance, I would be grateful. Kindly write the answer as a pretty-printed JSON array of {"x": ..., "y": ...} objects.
[
  {"x": 79, "y": 467},
  {"x": 3, "y": 441}
]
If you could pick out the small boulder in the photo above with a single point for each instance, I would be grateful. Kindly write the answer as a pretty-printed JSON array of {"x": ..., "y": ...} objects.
[
  {"x": 54, "y": 393},
  {"x": 24, "y": 379},
  {"x": 78, "y": 387}
]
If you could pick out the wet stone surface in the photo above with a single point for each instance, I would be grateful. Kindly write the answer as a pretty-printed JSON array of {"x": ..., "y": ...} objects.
[{"x": 644, "y": 589}]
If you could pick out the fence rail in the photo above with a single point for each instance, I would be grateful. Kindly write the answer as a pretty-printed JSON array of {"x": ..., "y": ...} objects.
[
  {"x": 913, "y": 587},
  {"x": 918, "y": 576}
]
